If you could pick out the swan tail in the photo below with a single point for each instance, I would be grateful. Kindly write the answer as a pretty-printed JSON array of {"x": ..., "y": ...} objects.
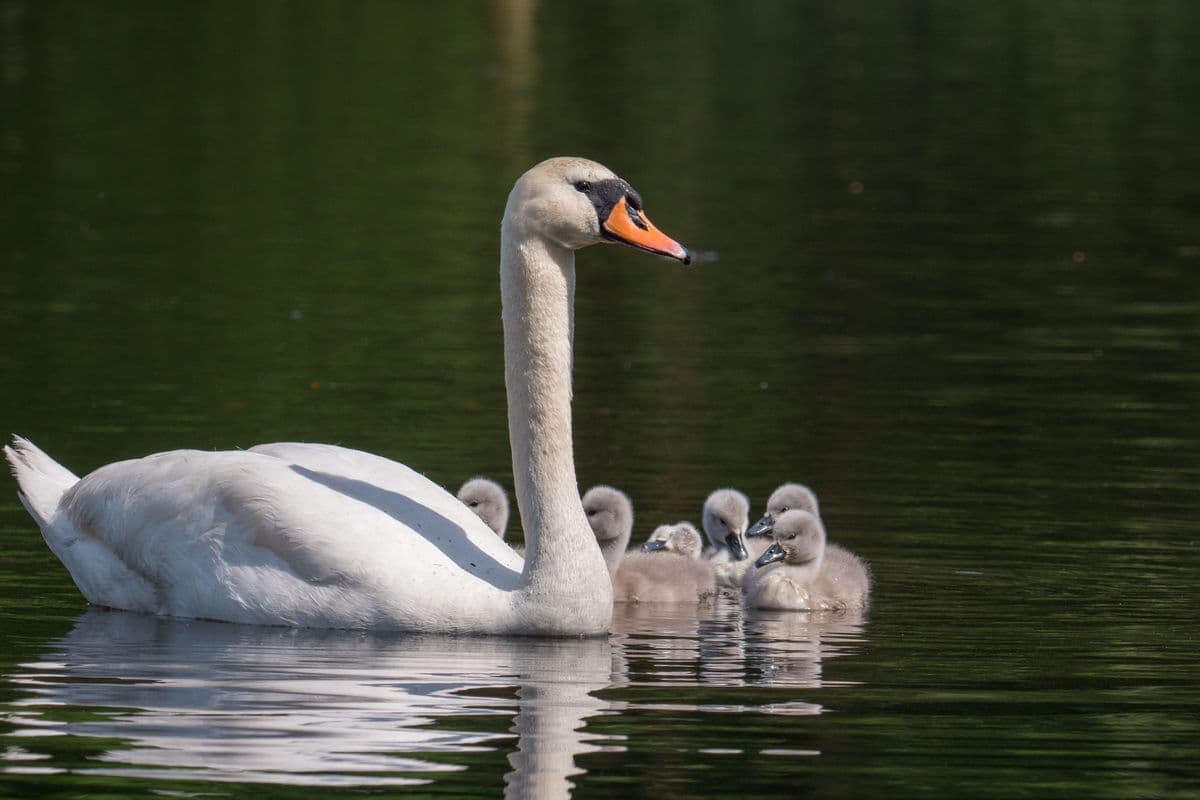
[
  {"x": 100, "y": 575},
  {"x": 42, "y": 480}
]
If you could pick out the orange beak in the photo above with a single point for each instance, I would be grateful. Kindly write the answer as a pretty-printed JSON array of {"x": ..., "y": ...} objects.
[{"x": 630, "y": 226}]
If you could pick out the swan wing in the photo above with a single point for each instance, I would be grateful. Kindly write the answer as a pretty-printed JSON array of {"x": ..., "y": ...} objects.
[
  {"x": 251, "y": 537},
  {"x": 390, "y": 486}
]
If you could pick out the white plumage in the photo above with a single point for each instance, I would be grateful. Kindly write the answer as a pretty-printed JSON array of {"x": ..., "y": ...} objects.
[{"x": 324, "y": 536}]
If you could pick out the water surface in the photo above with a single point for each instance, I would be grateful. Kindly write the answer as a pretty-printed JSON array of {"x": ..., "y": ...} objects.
[{"x": 952, "y": 281}]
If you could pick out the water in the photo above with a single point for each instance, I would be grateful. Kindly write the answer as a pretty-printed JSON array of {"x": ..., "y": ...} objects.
[{"x": 952, "y": 284}]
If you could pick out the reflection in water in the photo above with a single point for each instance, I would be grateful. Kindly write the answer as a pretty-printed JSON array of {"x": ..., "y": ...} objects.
[
  {"x": 214, "y": 701},
  {"x": 789, "y": 648},
  {"x": 721, "y": 644}
]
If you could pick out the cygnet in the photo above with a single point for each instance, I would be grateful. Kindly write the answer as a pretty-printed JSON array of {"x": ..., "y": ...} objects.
[
  {"x": 787, "y": 496},
  {"x": 610, "y": 514},
  {"x": 665, "y": 571},
  {"x": 488, "y": 500},
  {"x": 800, "y": 572}
]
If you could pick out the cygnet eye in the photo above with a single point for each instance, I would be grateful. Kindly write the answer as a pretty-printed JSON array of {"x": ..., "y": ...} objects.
[{"x": 583, "y": 186}]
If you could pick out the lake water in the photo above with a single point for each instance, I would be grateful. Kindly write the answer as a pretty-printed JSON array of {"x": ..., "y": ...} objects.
[{"x": 951, "y": 280}]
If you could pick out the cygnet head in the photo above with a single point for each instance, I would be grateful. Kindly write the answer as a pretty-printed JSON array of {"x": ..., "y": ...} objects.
[
  {"x": 575, "y": 202},
  {"x": 609, "y": 513},
  {"x": 663, "y": 533},
  {"x": 726, "y": 514},
  {"x": 681, "y": 538},
  {"x": 799, "y": 541},
  {"x": 489, "y": 502},
  {"x": 784, "y": 498}
]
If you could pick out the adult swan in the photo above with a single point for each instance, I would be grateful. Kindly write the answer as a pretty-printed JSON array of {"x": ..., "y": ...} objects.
[{"x": 321, "y": 536}]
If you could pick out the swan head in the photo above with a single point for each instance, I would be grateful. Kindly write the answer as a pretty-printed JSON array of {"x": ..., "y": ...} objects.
[
  {"x": 787, "y": 496},
  {"x": 681, "y": 538},
  {"x": 574, "y": 203},
  {"x": 488, "y": 500},
  {"x": 799, "y": 541},
  {"x": 609, "y": 513},
  {"x": 726, "y": 514}
]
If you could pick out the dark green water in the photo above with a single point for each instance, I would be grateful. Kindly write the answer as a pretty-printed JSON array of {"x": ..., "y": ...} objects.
[{"x": 953, "y": 284}]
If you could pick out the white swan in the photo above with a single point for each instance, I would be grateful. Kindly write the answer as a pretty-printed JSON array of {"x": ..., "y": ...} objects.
[
  {"x": 322, "y": 536},
  {"x": 801, "y": 572},
  {"x": 610, "y": 515},
  {"x": 488, "y": 501},
  {"x": 665, "y": 571}
]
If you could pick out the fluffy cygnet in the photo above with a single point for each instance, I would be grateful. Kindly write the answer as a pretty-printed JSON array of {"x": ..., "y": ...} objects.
[
  {"x": 610, "y": 513},
  {"x": 662, "y": 533},
  {"x": 681, "y": 538},
  {"x": 665, "y": 570},
  {"x": 725, "y": 517},
  {"x": 488, "y": 500},
  {"x": 787, "y": 496},
  {"x": 800, "y": 572}
]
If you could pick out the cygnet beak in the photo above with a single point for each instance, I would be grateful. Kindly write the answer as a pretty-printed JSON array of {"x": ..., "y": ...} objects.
[
  {"x": 657, "y": 544},
  {"x": 737, "y": 547},
  {"x": 630, "y": 226},
  {"x": 773, "y": 553},
  {"x": 764, "y": 527}
]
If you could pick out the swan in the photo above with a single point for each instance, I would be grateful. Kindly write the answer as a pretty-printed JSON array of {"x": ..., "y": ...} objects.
[
  {"x": 665, "y": 571},
  {"x": 801, "y": 572},
  {"x": 313, "y": 535},
  {"x": 785, "y": 496},
  {"x": 488, "y": 500},
  {"x": 724, "y": 517},
  {"x": 610, "y": 515}
]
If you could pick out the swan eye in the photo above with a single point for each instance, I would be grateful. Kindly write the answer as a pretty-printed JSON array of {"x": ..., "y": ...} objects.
[{"x": 583, "y": 186}]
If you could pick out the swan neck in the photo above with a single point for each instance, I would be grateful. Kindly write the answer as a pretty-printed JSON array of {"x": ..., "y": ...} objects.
[{"x": 563, "y": 565}]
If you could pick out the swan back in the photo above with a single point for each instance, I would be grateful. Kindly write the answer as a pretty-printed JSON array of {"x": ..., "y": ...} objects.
[
  {"x": 488, "y": 500},
  {"x": 610, "y": 515}
]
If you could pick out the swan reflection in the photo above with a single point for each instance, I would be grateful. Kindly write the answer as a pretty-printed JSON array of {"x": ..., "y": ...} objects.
[
  {"x": 176, "y": 700},
  {"x": 212, "y": 701}
]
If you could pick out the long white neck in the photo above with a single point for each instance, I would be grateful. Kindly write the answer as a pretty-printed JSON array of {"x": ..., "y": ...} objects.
[{"x": 565, "y": 583}]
